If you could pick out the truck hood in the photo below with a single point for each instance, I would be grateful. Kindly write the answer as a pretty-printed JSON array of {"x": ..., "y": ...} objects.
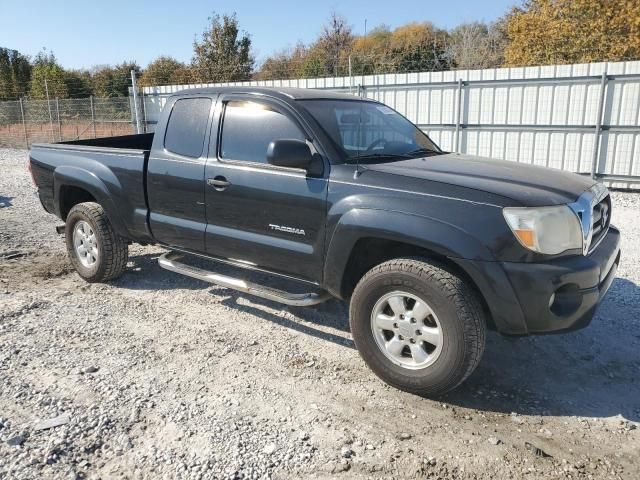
[{"x": 529, "y": 185}]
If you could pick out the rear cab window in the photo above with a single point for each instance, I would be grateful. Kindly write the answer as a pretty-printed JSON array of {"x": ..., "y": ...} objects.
[
  {"x": 187, "y": 126},
  {"x": 248, "y": 127}
]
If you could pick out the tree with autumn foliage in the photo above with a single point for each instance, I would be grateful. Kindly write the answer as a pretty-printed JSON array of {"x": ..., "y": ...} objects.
[
  {"x": 416, "y": 46},
  {"x": 372, "y": 52},
  {"x": 165, "y": 70},
  {"x": 544, "y": 32},
  {"x": 411, "y": 47},
  {"x": 331, "y": 50},
  {"x": 285, "y": 64}
]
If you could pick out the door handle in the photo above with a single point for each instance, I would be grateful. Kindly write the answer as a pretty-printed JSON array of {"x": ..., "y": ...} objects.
[{"x": 219, "y": 183}]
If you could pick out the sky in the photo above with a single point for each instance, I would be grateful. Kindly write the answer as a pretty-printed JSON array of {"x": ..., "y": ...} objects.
[{"x": 85, "y": 33}]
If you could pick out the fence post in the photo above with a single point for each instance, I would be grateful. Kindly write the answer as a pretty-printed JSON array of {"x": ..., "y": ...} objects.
[
  {"x": 93, "y": 116},
  {"x": 458, "y": 117},
  {"x": 59, "y": 123},
  {"x": 135, "y": 100},
  {"x": 144, "y": 114},
  {"x": 350, "y": 77},
  {"x": 24, "y": 124},
  {"x": 46, "y": 89},
  {"x": 597, "y": 135}
]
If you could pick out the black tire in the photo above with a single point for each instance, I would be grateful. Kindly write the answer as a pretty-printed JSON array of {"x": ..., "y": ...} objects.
[
  {"x": 113, "y": 251},
  {"x": 459, "y": 311}
]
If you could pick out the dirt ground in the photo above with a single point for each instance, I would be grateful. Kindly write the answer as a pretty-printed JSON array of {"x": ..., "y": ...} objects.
[{"x": 160, "y": 376}]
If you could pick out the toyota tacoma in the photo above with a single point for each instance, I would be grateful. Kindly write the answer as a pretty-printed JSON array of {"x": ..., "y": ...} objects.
[{"x": 341, "y": 197}]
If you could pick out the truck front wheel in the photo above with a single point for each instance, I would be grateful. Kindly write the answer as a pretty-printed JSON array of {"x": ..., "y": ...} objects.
[
  {"x": 97, "y": 252},
  {"x": 417, "y": 325}
]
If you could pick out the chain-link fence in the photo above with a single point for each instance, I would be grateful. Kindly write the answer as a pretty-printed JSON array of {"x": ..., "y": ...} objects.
[{"x": 24, "y": 122}]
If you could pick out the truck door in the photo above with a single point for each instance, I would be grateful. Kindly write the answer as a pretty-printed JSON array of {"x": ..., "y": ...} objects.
[
  {"x": 175, "y": 173},
  {"x": 270, "y": 217}
]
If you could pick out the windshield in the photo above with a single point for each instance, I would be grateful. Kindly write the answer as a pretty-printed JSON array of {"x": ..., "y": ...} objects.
[{"x": 369, "y": 131}]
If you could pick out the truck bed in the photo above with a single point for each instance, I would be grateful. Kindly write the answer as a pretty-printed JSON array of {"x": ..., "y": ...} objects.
[
  {"x": 110, "y": 171},
  {"x": 141, "y": 141}
]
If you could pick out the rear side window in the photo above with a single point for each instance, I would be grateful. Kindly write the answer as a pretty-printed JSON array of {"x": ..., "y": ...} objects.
[
  {"x": 249, "y": 127},
  {"x": 187, "y": 126}
]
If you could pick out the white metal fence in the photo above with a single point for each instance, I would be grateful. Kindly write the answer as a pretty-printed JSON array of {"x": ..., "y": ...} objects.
[{"x": 583, "y": 118}]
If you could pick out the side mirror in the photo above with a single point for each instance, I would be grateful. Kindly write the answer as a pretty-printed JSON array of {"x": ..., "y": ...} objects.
[{"x": 289, "y": 153}]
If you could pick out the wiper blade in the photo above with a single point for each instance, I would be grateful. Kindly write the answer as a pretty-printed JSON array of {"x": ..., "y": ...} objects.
[
  {"x": 375, "y": 156},
  {"x": 421, "y": 150}
]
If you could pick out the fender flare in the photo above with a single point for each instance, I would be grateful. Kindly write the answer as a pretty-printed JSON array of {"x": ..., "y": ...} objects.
[
  {"x": 436, "y": 235},
  {"x": 70, "y": 176}
]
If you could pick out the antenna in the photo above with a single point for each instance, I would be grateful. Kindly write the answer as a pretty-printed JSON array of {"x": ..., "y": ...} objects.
[{"x": 357, "y": 173}]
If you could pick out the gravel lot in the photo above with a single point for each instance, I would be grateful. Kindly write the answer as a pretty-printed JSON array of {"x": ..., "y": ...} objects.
[{"x": 160, "y": 376}]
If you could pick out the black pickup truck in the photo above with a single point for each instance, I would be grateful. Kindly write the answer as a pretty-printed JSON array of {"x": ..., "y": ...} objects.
[{"x": 348, "y": 199}]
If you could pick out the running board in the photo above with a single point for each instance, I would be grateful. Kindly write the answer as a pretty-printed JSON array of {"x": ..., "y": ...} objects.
[{"x": 170, "y": 261}]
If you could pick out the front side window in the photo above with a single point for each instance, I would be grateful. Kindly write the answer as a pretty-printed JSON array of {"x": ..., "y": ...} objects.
[
  {"x": 370, "y": 131},
  {"x": 248, "y": 128},
  {"x": 187, "y": 126}
]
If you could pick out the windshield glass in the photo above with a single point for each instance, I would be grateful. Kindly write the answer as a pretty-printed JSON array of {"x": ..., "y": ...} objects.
[{"x": 369, "y": 131}]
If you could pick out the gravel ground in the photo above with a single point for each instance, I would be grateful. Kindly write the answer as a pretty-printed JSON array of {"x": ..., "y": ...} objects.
[{"x": 157, "y": 375}]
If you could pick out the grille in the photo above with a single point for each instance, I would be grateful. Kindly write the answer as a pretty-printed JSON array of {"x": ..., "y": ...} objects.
[{"x": 600, "y": 221}]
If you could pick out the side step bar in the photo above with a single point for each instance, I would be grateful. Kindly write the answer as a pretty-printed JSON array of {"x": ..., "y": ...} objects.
[{"x": 170, "y": 261}]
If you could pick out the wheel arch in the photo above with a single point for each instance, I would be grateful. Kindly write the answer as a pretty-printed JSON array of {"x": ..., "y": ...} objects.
[
  {"x": 73, "y": 185},
  {"x": 371, "y": 251},
  {"x": 381, "y": 235},
  {"x": 71, "y": 195}
]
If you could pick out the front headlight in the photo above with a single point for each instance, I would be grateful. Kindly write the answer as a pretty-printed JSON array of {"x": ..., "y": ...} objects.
[{"x": 548, "y": 230}]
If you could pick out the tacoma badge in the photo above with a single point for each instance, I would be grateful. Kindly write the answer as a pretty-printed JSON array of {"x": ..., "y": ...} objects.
[{"x": 280, "y": 228}]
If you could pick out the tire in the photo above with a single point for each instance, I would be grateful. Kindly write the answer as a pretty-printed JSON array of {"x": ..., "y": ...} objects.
[
  {"x": 455, "y": 325},
  {"x": 108, "y": 261}
]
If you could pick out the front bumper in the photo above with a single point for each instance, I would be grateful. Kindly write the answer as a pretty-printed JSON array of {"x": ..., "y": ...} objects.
[
  {"x": 518, "y": 295},
  {"x": 563, "y": 294}
]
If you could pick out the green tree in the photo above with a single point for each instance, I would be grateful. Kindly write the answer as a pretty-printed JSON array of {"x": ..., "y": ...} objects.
[
  {"x": 314, "y": 64},
  {"x": 543, "y": 32},
  {"x": 165, "y": 71},
  {"x": 113, "y": 81},
  {"x": 47, "y": 75},
  {"x": 79, "y": 83},
  {"x": 15, "y": 74},
  {"x": 223, "y": 53}
]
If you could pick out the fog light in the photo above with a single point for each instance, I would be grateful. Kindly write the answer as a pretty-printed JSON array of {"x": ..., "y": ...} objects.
[{"x": 566, "y": 300}]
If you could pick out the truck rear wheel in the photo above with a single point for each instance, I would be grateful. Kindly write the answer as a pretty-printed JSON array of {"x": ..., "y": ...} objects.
[
  {"x": 418, "y": 326},
  {"x": 97, "y": 252}
]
